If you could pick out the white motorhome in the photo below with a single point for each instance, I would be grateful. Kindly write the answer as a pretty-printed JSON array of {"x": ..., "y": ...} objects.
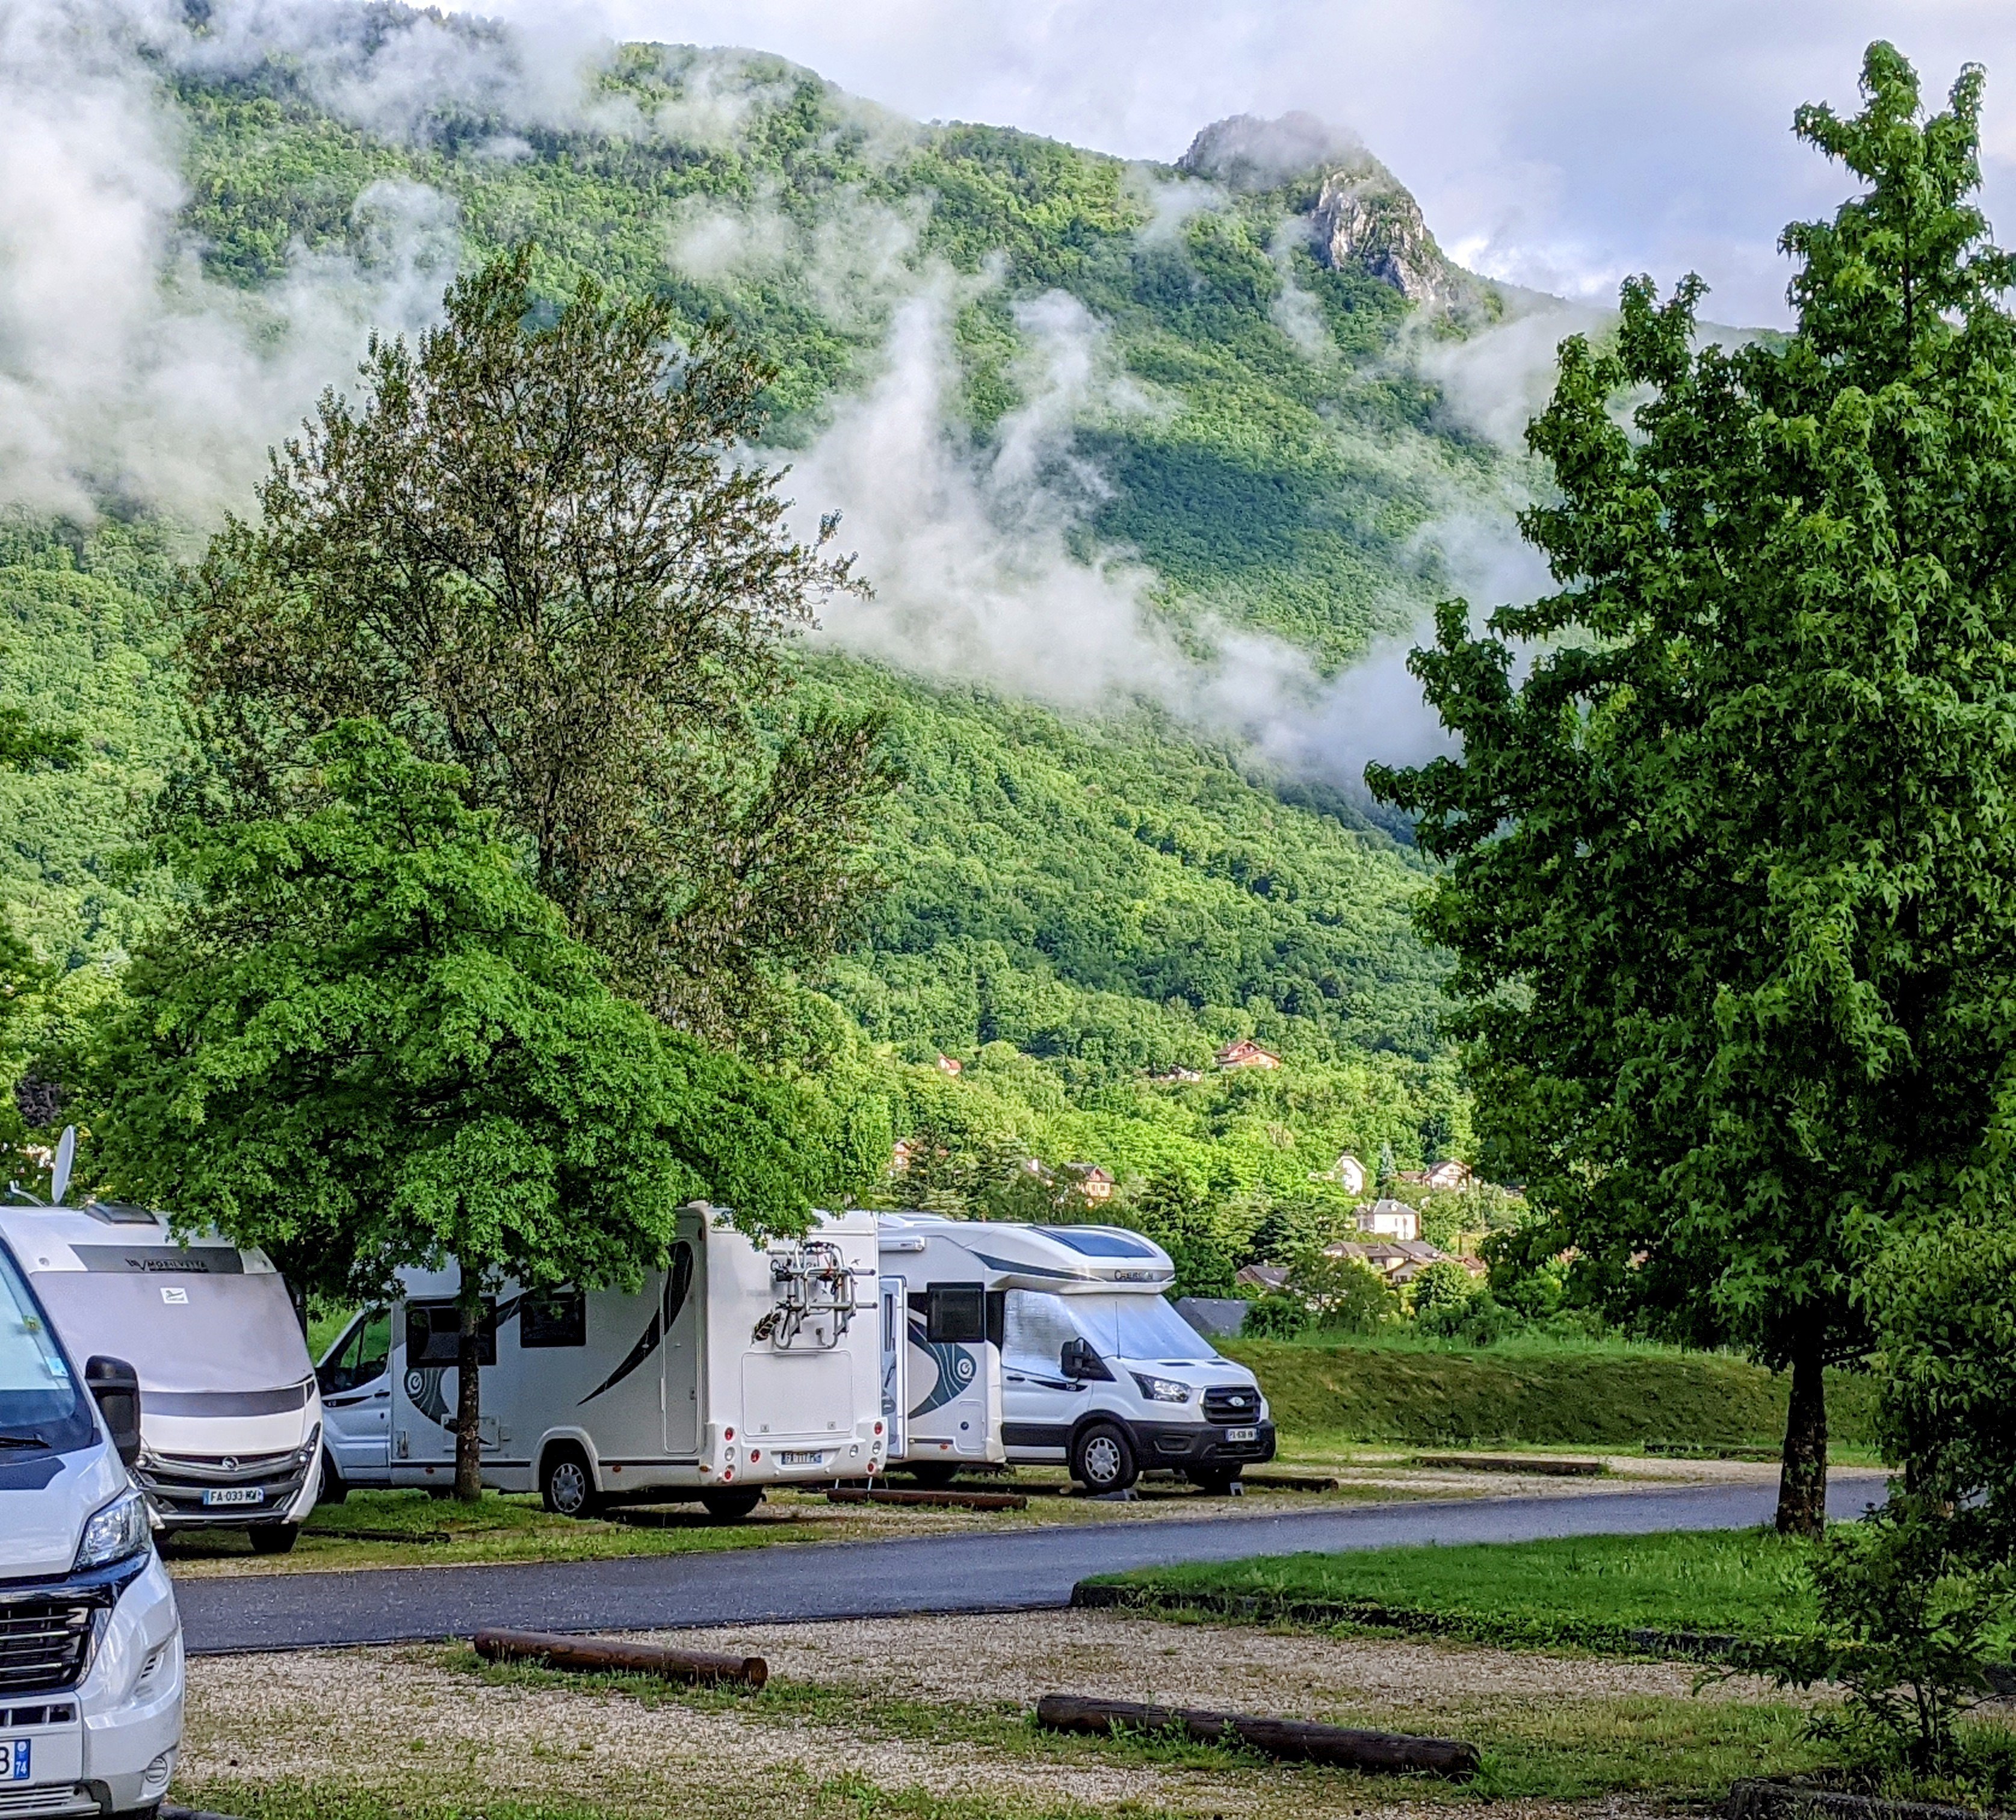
[
  {"x": 739, "y": 1365},
  {"x": 231, "y": 1423},
  {"x": 91, "y": 1655},
  {"x": 951, "y": 1329},
  {"x": 1098, "y": 1372}
]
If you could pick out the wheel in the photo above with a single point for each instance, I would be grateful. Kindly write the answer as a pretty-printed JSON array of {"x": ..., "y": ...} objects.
[
  {"x": 1102, "y": 1459},
  {"x": 334, "y": 1489},
  {"x": 567, "y": 1485},
  {"x": 1213, "y": 1484},
  {"x": 933, "y": 1474},
  {"x": 273, "y": 1538},
  {"x": 729, "y": 1506}
]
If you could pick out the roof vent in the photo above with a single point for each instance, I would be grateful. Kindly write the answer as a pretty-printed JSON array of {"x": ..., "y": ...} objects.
[{"x": 118, "y": 1214}]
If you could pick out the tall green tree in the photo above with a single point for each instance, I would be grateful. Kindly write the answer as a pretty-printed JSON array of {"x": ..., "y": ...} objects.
[
  {"x": 1731, "y": 877},
  {"x": 536, "y": 549},
  {"x": 371, "y": 1044}
]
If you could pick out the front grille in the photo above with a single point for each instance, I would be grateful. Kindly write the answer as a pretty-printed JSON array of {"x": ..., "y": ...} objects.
[
  {"x": 25, "y": 1803},
  {"x": 45, "y": 1643},
  {"x": 174, "y": 1484},
  {"x": 1232, "y": 1404}
]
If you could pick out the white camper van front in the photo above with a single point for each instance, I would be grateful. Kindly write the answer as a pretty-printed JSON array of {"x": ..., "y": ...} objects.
[
  {"x": 91, "y": 1660},
  {"x": 231, "y": 1417},
  {"x": 738, "y": 1365}
]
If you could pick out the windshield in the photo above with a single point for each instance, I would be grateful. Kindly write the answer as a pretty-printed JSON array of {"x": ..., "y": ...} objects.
[
  {"x": 1144, "y": 1328},
  {"x": 38, "y": 1396},
  {"x": 187, "y": 1331}
]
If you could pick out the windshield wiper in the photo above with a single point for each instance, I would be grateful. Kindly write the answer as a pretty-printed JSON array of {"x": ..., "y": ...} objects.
[{"x": 23, "y": 1441}]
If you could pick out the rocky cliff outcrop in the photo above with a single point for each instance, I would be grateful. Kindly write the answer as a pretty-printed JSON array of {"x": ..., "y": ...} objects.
[{"x": 1360, "y": 216}]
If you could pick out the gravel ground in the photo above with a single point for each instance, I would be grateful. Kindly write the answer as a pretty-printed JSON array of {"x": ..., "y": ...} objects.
[
  {"x": 1014, "y": 1657},
  {"x": 410, "y": 1724}
]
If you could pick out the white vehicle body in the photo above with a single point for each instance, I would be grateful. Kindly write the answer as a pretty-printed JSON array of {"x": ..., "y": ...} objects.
[
  {"x": 739, "y": 1365},
  {"x": 950, "y": 1322},
  {"x": 91, "y": 1655},
  {"x": 1098, "y": 1372},
  {"x": 231, "y": 1419}
]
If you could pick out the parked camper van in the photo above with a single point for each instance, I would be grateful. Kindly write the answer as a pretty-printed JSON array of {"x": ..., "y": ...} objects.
[
  {"x": 739, "y": 1365},
  {"x": 91, "y": 1656},
  {"x": 1098, "y": 1372},
  {"x": 950, "y": 1330},
  {"x": 231, "y": 1432}
]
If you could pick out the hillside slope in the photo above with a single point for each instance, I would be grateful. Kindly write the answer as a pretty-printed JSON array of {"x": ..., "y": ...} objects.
[{"x": 1077, "y": 903}]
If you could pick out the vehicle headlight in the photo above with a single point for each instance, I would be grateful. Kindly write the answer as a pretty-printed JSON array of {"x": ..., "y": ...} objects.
[
  {"x": 310, "y": 1448},
  {"x": 117, "y": 1531},
  {"x": 1162, "y": 1390}
]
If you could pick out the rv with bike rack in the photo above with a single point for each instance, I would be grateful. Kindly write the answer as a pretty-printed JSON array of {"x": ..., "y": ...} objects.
[
  {"x": 1097, "y": 1371},
  {"x": 738, "y": 1365}
]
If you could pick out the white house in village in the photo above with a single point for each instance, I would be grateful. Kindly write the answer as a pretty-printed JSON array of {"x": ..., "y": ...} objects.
[
  {"x": 1348, "y": 1172},
  {"x": 1390, "y": 1219}
]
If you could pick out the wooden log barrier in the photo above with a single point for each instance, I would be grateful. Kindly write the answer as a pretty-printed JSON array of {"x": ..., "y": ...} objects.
[
  {"x": 599, "y": 1655},
  {"x": 1294, "y": 1740},
  {"x": 949, "y": 1498}
]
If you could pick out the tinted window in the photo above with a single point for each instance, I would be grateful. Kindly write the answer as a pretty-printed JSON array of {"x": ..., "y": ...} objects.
[
  {"x": 1093, "y": 1241},
  {"x": 38, "y": 1395},
  {"x": 553, "y": 1317},
  {"x": 956, "y": 1312},
  {"x": 434, "y": 1334}
]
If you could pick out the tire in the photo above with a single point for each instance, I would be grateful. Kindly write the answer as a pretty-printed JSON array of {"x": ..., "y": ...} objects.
[
  {"x": 567, "y": 1486},
  {"x": 730, "y": 1507},
  {"x": 933, "y": 1474},
  {"x": 274, "y": 1538},
  {"x": 1213, "y": 1484},
  {"x": 334, "y": 1489},
  {"x": 1102, "y": 1458}
]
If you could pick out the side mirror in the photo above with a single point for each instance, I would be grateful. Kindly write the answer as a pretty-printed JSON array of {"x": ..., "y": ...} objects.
[
  {"x": 1076, "y": 1359},
  {"x": 115, "y": 1385}
]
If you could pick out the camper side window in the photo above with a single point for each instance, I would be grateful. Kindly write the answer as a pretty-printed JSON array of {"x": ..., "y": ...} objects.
[
  {"x": 553, "y": 1317},
  {"x": 434, "y": 1334},
  {"x": 955, "y": 1314}
]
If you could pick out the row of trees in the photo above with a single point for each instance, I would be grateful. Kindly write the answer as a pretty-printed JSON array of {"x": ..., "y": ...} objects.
[{"x": 493, "y": 854}]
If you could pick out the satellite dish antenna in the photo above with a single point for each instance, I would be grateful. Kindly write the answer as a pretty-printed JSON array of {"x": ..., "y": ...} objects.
[{"x": 59, "y": 1170}]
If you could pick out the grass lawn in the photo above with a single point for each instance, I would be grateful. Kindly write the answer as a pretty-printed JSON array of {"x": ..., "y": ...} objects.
[
  {"x": 1581, "y": 1396},
  {"x": 1590, "y": 1592}
]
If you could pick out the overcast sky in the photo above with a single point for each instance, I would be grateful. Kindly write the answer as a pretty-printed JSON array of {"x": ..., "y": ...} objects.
[{"x": 1558, "y": 143}]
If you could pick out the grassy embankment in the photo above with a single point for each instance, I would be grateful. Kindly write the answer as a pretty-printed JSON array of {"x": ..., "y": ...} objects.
[
  {"x": 1539, "y": 1396},
  {"x": 1598, "y": 1593}
]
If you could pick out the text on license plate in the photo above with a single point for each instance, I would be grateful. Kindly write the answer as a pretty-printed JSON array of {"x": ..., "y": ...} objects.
[
  {"x": 1242, "y": 1434},
  {"x": 790, "y": 1459},
  {"x": 18, "y": 1751},
  {"x": 235, "y": 1494}
]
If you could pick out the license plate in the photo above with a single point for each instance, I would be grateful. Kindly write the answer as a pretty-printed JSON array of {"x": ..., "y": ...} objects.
[
  {"x": 1242, "y": 1434},
  {"x": 235, "y": 1494},
  {"x": 789, "y": 1459},
  {"x": 18, "y": 1751}
]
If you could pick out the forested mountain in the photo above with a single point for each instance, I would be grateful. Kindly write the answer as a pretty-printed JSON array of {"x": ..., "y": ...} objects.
[{"x": 1210, "y": 384}]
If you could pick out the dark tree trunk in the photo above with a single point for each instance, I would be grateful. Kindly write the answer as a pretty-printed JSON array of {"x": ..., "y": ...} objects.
[
  {"x": 468, "y": 1403},
  {"x": 1803, "y": 1477}
]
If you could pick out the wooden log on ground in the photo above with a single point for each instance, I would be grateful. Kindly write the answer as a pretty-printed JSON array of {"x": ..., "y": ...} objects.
[
  {"x": 948, "y": 1496},
  {"x": 1288, "y": 1482},
  {"x": 603, "y": 1655},
  {"x": 1293, "y": 1740},
  {"x": 1542, "y": 1465}
]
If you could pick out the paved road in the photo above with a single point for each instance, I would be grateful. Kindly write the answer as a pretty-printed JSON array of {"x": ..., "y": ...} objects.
[{"x": 996, "y": 1571}]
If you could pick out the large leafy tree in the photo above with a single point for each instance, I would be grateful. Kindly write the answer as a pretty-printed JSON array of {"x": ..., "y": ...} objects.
[
  {"x": 371, "y": 1043},
  {"x": 1732, "y": 870},
  {"x": 535, "y": 549}
]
